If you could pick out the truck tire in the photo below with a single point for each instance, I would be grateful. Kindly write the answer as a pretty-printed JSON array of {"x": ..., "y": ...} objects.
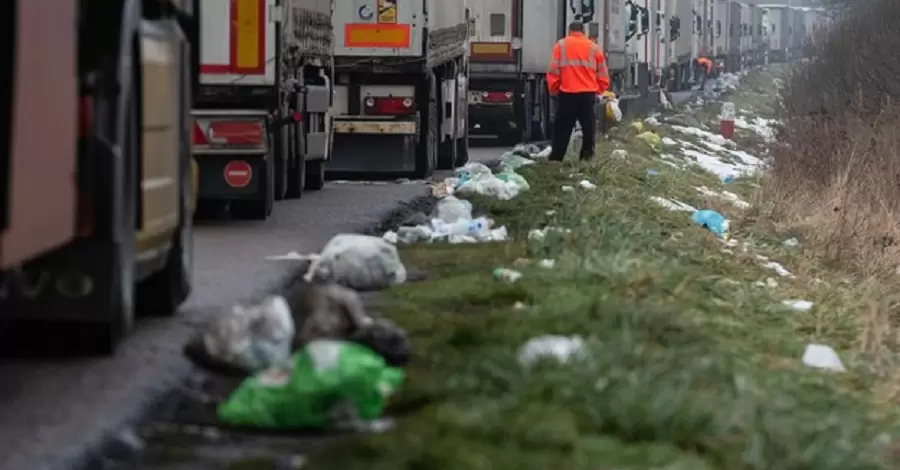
[
  {"x": 426, "y": 153},
  {"x": 280, "y": 144},
  {"x": 296, "y": 167},
  {"x": 259, "y": 209},
  {"x": 315, "y": 175},
  {"x": 115, "y": 310},
  {"x": 162, "y": 293}
]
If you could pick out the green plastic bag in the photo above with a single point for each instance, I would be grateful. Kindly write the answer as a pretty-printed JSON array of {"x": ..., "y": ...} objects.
[
  {"x": 322, "y": 378},
  {"x": 514, "y": 178},
  {"x": 510, "y": 161}
]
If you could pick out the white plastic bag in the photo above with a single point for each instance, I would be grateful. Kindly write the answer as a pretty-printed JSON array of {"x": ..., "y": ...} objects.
[
  {"x": 252, "y": 338},
  {"x": 360, "y": 262},
  {"x": 617, "y": 111},
  {"x": 450, "y": 209},
  {"x": 489, "y": 185}
]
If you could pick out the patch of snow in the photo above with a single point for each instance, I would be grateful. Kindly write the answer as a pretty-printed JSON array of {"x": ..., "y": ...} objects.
[
  {"x": 799, "y": 305},
  {"x": 778, "y": 268},
  {"x": 727, "y": 195},
  {"x": 673, "y": 205}
]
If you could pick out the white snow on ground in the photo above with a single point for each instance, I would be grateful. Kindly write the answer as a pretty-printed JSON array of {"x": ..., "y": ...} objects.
[
  {"x": 716, "y": 166},
  {"x": 762, "y": 127},
  {"x": 727, "y": 195},
  {"x": 673, "y": 205}
]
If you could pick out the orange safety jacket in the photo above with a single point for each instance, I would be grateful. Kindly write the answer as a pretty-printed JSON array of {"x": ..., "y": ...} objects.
[
  {"x": 705, "y": 63},
  {"x": 577, "y": 66}
]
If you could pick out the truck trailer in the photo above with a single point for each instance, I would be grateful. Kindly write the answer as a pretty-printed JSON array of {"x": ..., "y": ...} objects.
[
  {"x": 778, "y": 36},
  {"x": 96, "y": 221},
  {"x": 262, "y": 122},
  {"x": 400, "y": 87}
]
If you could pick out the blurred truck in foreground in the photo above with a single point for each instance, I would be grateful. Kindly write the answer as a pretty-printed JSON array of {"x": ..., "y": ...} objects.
[{"x": 96, "y": 190}]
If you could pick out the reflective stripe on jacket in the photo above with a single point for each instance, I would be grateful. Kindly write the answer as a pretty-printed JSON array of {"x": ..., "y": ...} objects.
[{"x": 577, "y": 66}]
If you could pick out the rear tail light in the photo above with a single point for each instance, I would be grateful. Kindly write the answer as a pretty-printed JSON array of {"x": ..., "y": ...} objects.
[
  {"x": 391, "y": 106},
  {"x": 231, "y": 133},
  {"x": 497, "y": 96}
]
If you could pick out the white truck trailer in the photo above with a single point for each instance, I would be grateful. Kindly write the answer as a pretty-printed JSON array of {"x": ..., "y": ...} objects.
[
  {"x": 779, "y": 29},
  {"x": 400, "y": 87},
  {"x": 261, "y": 116}
]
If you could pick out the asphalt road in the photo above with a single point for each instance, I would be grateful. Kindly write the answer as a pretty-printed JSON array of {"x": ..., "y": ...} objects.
[{"x": 52, "y": 411}]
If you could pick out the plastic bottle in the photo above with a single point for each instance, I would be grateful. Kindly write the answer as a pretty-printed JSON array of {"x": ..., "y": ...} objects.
[{"x": 507, "y": 275}]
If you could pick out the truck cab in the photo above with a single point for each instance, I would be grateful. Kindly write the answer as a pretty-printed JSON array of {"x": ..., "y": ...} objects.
[{"x": 120, "y": 238}]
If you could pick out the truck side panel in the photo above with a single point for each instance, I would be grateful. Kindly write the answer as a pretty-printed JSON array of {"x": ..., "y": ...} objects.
[
  {"x": 42, "y": 192},
  {"x": 493, "y": 27},
  {"x": 237, "y": 42},
  {"x": 541, "y": 20}
]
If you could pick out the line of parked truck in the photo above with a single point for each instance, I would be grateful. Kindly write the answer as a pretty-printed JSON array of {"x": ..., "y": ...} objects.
[{"x": 158, "y": 107}]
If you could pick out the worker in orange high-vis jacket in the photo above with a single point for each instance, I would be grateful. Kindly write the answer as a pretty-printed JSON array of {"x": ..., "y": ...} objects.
[
  {"x": 577, "y": 75},
  {"x": 706, "y": 67}
]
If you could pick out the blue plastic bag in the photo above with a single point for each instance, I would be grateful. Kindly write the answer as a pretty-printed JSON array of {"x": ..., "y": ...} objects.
[{"x": 713, "y": 221}]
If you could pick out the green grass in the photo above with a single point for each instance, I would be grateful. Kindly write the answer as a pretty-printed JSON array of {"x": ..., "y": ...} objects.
[{"x": 691, "y": 366}]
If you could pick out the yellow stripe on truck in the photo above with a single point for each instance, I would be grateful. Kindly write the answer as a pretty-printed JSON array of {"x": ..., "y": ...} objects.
[{"x": 248, "y": 34}]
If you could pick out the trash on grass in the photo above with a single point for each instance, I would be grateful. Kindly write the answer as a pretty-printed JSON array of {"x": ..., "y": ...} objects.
[
  {"x": 327, "y": 385},
  {"x": 560, "y": 348},
  {"x": 512, "y": 161},
  {"x": 450, "y": 209},
  {"x": 507, "y": 275},
  {"x": 250, "y": 338},
  {"x": 821, "y": 356},
  {"x": 514, "y": 178},
  {"x": 650, "y": 139},
  {"x": 360, "y": 262},
  {"x": 585, "y": 184},
  {"x": 778, "y": 268},
  {"x": 540, "y": 234},
  {"x": 673, "y": 205},
  {"x": 791, "y": 242},
  {"x": 798, "y": 305},
  {"x": 619, "y": 154},
  {"x": 713, "y": 221},
  {"x": 566, "y": 188},
  {"x": 547, "y": 263}
]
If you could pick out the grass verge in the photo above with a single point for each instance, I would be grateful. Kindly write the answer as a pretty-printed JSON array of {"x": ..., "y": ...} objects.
[{"x": 690, "y": 364}]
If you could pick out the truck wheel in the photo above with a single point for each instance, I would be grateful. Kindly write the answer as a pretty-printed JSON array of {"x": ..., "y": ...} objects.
[
  {"x": 162, "y": 293},
  {"x": 281, "y": 149},
  {"x": 426, "y": 153},
  {"x": 296, "y": 168},
  {"x": 260, "y": 209},
  {"x": 315, "y": 175}
]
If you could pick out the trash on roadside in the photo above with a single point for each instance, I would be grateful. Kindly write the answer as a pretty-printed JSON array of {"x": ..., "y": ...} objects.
[
  {"x": 547, "y": 263},
  {"x": 566, "y": 188},
  {"x": 791, "y": 242},
  {"x": 712, "y": 221},
  {"x": 507, "y": 275},
  {"x": 391, "y": 237},
  {"x": 650, "y": 138},
  {"x": 798, "y": 305},
  {"x": 326, "y": 385},
  {"x": 612, "y": 110},
  {"x": 450, "y": 209},
  {"x": 637, "y": 126},
  {"x": 769, "y": 282},
  {"x": 668, "y": 141},
  {"x": 544, "y": 153},
  {"x": 246, "y": 339},
  {"x": 728, "y": 179},
  {"x": 514, "y": 178},
  {"x": 560, "y": 348},
  {"x": 522, "y": 262},
  {"x": 652, "y": 172},
  {"x": 585, "y": 184},
  {"x": 541, "y": 234},
  {"x": 619, "y": 154},
  {"x": 778, "y": 268},
  {"x": 821, "y": 356},
  {"x": 468, "y": 231},
  {"x": 478, "y": 179},
  {"x": 360, "y": 262},
  {"x": 673, "y": 205},
  {"x": 512, "y": 161}
]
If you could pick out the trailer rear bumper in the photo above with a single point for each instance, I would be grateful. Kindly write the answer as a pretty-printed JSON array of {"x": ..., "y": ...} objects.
[
  {"x": 67, "y": 284},
  {"x": 231, "y": 177},
  {"x": 373, "y": 146},
  {"x": 492, "y": 118}
]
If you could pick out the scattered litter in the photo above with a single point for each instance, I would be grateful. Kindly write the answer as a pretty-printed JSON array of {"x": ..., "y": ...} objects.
[
  {"x": 559, "y": 348},
  {"x": 540, "y": 234},
  {"x": 327, "y": 385},
  {"x": 728, "y": 179},
  {"x": 360, "y": 262},
  {"x": 514, "y": 178},
  {"x": 619, "y": 154},
  {"x": 567, "y": 188},
  {"x": 519, "y": 305},
  {"x": 544, "y": 153},
  {"x": 727, "y": 195},
  {"x": 778, "y": 268},
  {"x": 650, "y": 139},
  {"x": 637, "y": 126},
  {"x": 547, "y": 263},
  {"x": 512, "y": 161},
  {"x": 799, "y": 305},
  {"x": 673, "y": 204},
  {"x": 652, "y": 121},
  {"x": 585, "y": 184},
  {"x": 822, "y": 357},
  {"x": 713, "y": 221},
  {"x": 507, "y": 275},
  {"x": 791, "y": 242},
  {"x": 248, "y": 339},
  {"x": 450, "y": 209},
  {"x": 668, "y": 141},
  {"x": 486, "y": 184}
]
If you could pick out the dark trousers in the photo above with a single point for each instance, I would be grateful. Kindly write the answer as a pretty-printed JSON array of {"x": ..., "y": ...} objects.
[
  {"x": 704, "y": 76},
  {"x": 572, "y": 107}
]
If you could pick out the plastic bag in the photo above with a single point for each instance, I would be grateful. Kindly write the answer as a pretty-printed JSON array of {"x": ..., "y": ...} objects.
[
  {"x": 327, "y": 384},
  {"x": 488, "y": 185},
  {"x": 712, "y": 220},
  {"x": 250, "y": 339},
  {"x": 514, "y": 178},
  {"x": 360, "y": 262},
  {"x": 512, "y": 161},
  {"x": 650, "y": 139},
  {"x": 560, "y": 348},
  {"x": 450, "y": 209},
  {"x": 613, "y": 111}
]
